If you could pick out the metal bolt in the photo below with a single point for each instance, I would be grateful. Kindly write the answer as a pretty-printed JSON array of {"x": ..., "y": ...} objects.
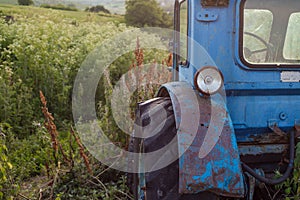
[{"x": 159, "y": 193}]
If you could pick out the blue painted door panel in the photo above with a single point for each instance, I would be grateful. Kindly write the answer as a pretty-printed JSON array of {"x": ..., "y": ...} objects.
[{"x": 254, "y": 96}]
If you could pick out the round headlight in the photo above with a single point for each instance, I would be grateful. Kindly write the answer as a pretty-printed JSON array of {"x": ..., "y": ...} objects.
[{"x": 208, "y": 80}]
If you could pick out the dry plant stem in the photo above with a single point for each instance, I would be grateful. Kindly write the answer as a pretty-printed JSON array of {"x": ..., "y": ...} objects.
[
  {"x": 118, "y": 156},
  {"x": 49, "y": 124},
  {"x": 41, "y": 194},
  {"x": 277, "y": 192},
  {"x": 71, "y": 150},
  {"x": 63, "y": 154},
  {"x": 148, "y": 90},
  {"x": 51, "y": 127},
  {"x": 117, "y": 198},
  {"x": 82, "y": 153},
  {"x": 21, "y": 195},
  {"x": 45, "y": 185},
  {"x": 268, "y": 191},
  {"x": 128, "y": 196},
  {"x": 170, "y": 60},
  {"x": 139, "y": 54},
  {"x": 54, "y": 181},
  {"x": 101, "y": 184},
  {"x": 47, "y": 170},
  {"x": 139, "y": 59}
]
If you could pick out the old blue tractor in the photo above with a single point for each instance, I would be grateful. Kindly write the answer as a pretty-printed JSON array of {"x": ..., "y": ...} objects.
[{"x": 233, "y": 108}]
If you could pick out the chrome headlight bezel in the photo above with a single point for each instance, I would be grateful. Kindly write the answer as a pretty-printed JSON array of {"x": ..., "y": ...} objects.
[{"x": 208, "y": 80}]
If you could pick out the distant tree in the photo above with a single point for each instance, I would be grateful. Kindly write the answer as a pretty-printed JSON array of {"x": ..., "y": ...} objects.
[
  {"x": 25, "y": 2},
  {"x": 71, "y": 5},
  {"x": 142, "y": 13},
  {"x": 59, "y": 7},
  {"x": 98, "y": 8}
]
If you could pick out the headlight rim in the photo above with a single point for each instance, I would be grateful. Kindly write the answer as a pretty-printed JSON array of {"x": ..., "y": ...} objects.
[{"x": 196, "y": 77}]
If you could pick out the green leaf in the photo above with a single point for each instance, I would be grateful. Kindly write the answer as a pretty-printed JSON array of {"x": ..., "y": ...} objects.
[
  {"x": 287, "y": 190},
  {"x": 9, "y": 165}
]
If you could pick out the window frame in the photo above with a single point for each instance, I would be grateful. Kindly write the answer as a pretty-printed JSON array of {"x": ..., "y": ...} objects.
[
  {"x": 185, "y": 63},
  {"x": 240, "y": 47}
]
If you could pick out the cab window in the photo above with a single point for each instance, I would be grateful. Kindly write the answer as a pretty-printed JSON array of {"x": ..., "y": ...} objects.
[
  {"x": 269, "y": 35},
  {"x": 256, "y": 34},
  {"x": 291, "y": 50}
]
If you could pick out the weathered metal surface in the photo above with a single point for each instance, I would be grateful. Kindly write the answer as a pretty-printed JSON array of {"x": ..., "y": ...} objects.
[
  {"x": 208, "y": 3},
  {"x": 260, "y": 138},
  {"x": 273, "y": 125},
  {"x": 262, "y": 149},
  {"x": 218, "y": 170}
]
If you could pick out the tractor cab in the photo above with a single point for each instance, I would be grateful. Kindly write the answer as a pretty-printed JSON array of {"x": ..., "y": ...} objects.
[
  {"x": 236, "y": 77},
  {"x": 270, "y": 34}
]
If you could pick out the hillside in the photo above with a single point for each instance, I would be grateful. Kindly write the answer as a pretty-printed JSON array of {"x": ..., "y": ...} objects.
[
  {"x": 115, "y": 6},
  {"x": 8, "y": 1},
  {"x": 29, "y": 11}
]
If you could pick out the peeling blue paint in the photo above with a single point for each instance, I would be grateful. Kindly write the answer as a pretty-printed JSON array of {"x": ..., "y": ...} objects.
[{"x": 220, "y": 171}]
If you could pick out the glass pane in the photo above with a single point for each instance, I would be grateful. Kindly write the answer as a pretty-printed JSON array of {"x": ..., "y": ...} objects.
[
  {"x": 271, "y": 32},
  {"x": 291, "y": 48},
  {"x": 257, "y": 29},
  {"x": 183, "y": 30}
]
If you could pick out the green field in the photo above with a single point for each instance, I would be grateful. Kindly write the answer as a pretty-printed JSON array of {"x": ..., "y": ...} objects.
[
  {"x": 32, "y": 11},
  {"x": 8, "y": 1},
  {"x": 41, "y": 50},
  {"x": 116, "y": 6}
]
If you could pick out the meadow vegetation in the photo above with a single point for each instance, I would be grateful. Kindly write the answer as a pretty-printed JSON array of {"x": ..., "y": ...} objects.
[{"x": 41, "y": 155}]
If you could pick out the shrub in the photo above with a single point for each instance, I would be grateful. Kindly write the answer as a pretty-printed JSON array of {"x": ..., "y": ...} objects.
[
  {"x": 98, "y": 8},
  {"x": 142, "y": 13},
  {"x": 59, "y": 7},
  {"x": 25, "y": 2},
  {"x": 43, "y": 54}
]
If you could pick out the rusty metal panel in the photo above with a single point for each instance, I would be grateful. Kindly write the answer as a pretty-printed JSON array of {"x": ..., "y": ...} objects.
[
  {"x": 215, "y": 3},
  {"x": 218, "y": 169},
  {"x": 262, "y": 149}
]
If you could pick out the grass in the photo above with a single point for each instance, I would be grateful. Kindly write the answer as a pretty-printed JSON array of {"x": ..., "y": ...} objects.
[
  {"x": 8, "y": 1},
  {"x": 32, "y": 11},
  {"x": 116, "y": 6}
]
